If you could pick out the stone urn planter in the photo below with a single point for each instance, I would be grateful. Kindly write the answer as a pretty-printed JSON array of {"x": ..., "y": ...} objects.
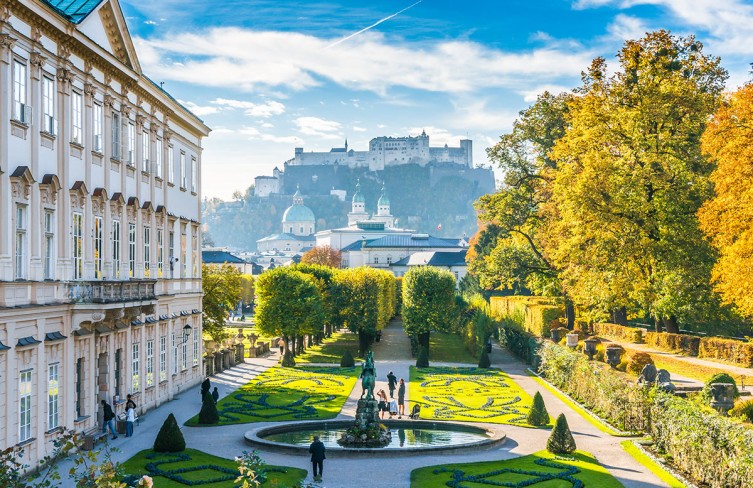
[
  {"x": 722, "y": 397},
  {"x": 557, "y": 333},
  {"x": 589, "y": 347},
  {"x": 571, "y": 340},
  {"x": 209, "y": 346},
  {"x": 614, "y": 355},
  {"x": 252, "y": 338}
]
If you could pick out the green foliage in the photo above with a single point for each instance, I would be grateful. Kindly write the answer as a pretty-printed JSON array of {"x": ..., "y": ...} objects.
[
  {"x": 479, "y": 324},
  {"x": 222, "y": 292},
  {"x": 533, "y": 314},
  {"x": 561, "y": 440},
  {"x": 347, "y": 360},
  {"x": 743, "y": 409},
  {"x": 538, "y": 414},
  {"x": 247, "y": 290},
  {"x": 483, "y": 359},
  {"x": 423, "y": 358},
  {"x": 428, "y": 302},
  {"x": 288, "y": 360},
  {"x": 637, "y": 361},
  {"x": 521, "y": 343},
  {"x": 687, "y": 344},
  {"x": 718, "y": 378},
  {"x": 734, "y": 351},
  {"x": 170, "y": 438},
  {"x": 208, "y": 414},
  {"x": 619, "y": 332}
]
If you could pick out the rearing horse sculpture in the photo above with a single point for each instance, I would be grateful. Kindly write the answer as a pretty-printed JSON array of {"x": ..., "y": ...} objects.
[{"x": 368, "y": 375}]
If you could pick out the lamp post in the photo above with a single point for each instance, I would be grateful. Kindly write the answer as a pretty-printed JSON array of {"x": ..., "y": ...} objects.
[{"x": 186, "y": 333}]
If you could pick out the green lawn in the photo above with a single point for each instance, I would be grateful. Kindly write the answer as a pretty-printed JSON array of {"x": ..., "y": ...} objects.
[
  {"x": 469, "y": 395},
  {"x": 331, "y": 349},
  {"x": 300, "y": 393},
  {"x": 449, "y": 348},
  {"x": 201, "y": 469},
  {"x": 540, "y": 469}
]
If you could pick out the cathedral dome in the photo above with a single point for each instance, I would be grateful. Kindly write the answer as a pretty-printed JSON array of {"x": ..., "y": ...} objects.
[{"x": 298, "y": 213}]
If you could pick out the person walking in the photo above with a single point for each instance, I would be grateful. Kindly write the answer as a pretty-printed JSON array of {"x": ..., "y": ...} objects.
[
  {"x": 129, "y": 402},
  {"x": 392, "y": 383},
  {"x": 215, "y": 395},
  {"x": 401, "y": 399},
  {"x": 317, "y": 457},
  {"x": 107, "y": 419},
  {"x": 130, "y": 418},
  {"x": 281, "y": 345}
]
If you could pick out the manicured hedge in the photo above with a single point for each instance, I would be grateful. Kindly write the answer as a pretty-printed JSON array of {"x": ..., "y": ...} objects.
[
  {"x": 673, "y": 342},
  {"x": 737, "y": 352},
  {"x": 521, "y": 343},
  {"x": 619, "y": 332},
  {"x": 533, "y": 314}
]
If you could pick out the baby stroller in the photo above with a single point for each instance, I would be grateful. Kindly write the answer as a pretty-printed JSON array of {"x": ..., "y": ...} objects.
[{"x": 415, "y": 412}]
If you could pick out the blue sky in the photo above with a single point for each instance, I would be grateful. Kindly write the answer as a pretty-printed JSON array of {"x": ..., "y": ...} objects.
[{"x": 268, "y": 75}]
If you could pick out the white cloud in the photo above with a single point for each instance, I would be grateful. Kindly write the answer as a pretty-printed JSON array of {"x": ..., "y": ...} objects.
[
  {"x": 359, "y": 129},
  {"x": 199, "y": 110},
  {"x": 626, "y": 27},
  {"x": 321, "y": 128},
  {"x": 255, "y": 134},
  {"x": 475, "y": 115},
  {"x": 531, "y": 95},
  {"x": 242, "y": 58},
  {"x": 437, "y": 136},
  {"x": 266, "y": 109},
  {"x": 266, "y": 125}
]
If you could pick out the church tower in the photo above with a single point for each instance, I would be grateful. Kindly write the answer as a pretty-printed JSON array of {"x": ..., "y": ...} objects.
[
  {"x": 383, "y": 210},
  {"x": 358, "y": 209}
]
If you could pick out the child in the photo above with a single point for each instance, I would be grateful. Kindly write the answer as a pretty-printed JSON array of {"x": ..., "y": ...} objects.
[{"x": 130, "y": 418}]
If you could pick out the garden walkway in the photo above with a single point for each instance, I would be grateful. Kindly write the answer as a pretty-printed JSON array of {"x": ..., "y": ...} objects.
[{"x": 392, "y": 353}]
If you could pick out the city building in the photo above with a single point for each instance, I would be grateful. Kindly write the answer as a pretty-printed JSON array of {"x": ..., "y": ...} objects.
[
  {"x": 223, "y": 256},
  {"x": 298, "y": 227},
  {"x": 452, "y": 261},
  {"x": 100, "y": 264},
  {"x": 387, "y": 151}
]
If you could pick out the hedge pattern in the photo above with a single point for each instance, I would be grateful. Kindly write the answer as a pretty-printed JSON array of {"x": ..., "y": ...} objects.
[
  {"x": 687, "y": 344},
  {"x": 737, "y": 352},
  {"x": 619, "y": 332},
  {"x": 533, "y": 314}
]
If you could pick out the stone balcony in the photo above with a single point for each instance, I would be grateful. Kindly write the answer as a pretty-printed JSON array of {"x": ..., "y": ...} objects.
[{"x": 103, "y": 291}]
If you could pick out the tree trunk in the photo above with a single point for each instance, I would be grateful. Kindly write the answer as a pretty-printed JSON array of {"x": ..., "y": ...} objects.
[
  {"x": 570, "y": 313},
  {"x": 423, "y": 340},
  {"x": 364, "y": 341},
  {"x": 670, "y": 323},
  {"x": 300, "y": 343},
  {"x": 619, "y": 316}
]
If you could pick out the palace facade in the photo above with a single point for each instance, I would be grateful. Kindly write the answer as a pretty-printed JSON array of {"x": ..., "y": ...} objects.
[{"x": 100, "y": 258}]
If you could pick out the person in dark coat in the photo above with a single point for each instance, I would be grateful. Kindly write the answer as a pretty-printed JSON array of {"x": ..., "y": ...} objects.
[
  {"x": 317, "y": 457},
  {"x": 205, "y": 386},
  {"x": 401, "y": 399},
  {"x": 391, "y": 383},
  {"x": 215, "y": 395},
  {"x": 107, "y": 419}
]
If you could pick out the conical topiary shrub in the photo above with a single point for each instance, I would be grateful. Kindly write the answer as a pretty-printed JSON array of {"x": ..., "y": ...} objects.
[
  {"x": 208, "y": 414},
  {"x": 287, "y": 360},
  {"x": 561, "y": 441},
  {"x": 483, "y": 359},
  {"x": 538, "y": 415},
  {"x": 170, "y": 438},
  {"x": 347, "y": 360},
  {"x": 423, "y": 358}
]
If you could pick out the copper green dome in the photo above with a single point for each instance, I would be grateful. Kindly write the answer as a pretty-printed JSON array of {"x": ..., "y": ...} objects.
[
  {"x": 298, "y": 212},
  {"x": 358, "y": 196}
]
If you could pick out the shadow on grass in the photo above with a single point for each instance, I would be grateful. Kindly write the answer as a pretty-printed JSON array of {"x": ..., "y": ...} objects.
[{"x": 331, "y": 349}]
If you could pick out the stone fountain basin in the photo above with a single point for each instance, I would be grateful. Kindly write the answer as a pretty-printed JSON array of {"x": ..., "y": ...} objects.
[{"x": 494, "y": 436}]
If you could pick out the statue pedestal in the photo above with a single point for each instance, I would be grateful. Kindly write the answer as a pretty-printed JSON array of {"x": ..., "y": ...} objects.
[{"x": 366, "y": 431}]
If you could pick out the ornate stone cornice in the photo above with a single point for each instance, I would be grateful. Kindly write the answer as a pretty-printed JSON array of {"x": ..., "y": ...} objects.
[
  {"x": 64, "y": 76},
  {"x": 125, "y": 109},
  {"x": 140, "y": 120},
  {"x": 109, "y": 100},
  {"x": 36, "y": 59},
  {"x": 7, "y": 42},
  {"x": 89, "y": 89}
]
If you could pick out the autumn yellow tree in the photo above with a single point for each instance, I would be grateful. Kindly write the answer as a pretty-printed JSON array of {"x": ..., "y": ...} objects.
[
  {"x": 727, "y": 219},
  {"x": 324, "y": 255}
]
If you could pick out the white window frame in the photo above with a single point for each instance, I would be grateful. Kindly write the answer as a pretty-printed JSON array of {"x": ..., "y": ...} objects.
[
  {"x": 184, "y": 356},
  {"x": 98, "y": 129},
  {"x": 22, "y": 241},
  {"x": 175, "y": 353},
  {"x": 147, "y": 250},
  {"x": 145, "y": 151},
  {"x": 77, "y": 118},
  {"x": 171, "y": 164},
  {"x": 53, "y": 396},
  {"x": 21, "y": 110},
  {"x": 160, "y": 253},
  {"x": 98, "y": 246},
  {"x": 131, "y": 155},
  {"x": 116, "y": 248},
  {"x": 24, "y": 405},
  {"x": 150, "y": 363},
  {"x": 49, "y": 124},
  {"x": 77, "y": 245},
  {"x": 163, "y": 358},
  {"x": 49, "y": 244},
  {"x": 194, "y": 174},
  {"x": 158, "y": 159},
  {"x": 135, "y": 367},
  {"x": 195, "y": 346},
  {"x": 131, "y": 249},
  {"x": 183, "y": 175},
  {"x": 116, "y": 133}
]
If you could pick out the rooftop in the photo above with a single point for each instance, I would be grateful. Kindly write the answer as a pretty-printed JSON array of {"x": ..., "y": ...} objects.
[
  {"x": 73, "y": 10},
  {"x": 405, "y": 241},
  {"x": 434, "y": 258},
  {"x": 220, "y": 257},
  {"x": 286, "y": 237}
]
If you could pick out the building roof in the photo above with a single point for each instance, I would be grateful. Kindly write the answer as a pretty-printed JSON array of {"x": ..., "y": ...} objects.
[
  {"x": 74, "y": 10},
  {"x": 220, "y": 257},
  {"x": 298, "y": 213},
  {"x": 403, "y": 241},
  {"x": 434, "y": 258},
  {"x": 286, "y": 237}
]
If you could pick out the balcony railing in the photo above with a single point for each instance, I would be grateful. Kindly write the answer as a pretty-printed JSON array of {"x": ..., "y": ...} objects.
[{"x": 111, "y": 291}]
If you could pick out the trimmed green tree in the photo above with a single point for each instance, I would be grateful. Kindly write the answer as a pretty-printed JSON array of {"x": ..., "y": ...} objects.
[
  {"x": 423, "y": 358},
  {"x": 222, "y": 292},
  {"x": 718, "y": 378},
  {"x": 347, "y": 360},
  {"x": 208, "y": 414},
  {"x": 538, "y": 415},
  {"x": 561, "y": 441},
  {"x": 483, "y": 359},
  {"x": 170, "y": 438},
  {"x": 428, "y": 302}
]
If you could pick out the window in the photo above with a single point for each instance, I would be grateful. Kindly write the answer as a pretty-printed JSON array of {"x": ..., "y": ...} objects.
[
  {"x": 20, "y": 110},
  {"x": 171, "y": 252},
  {"x": 183, "y": 254},
  {"x": 170, "y": 165},
  {"x": 79, "y": 388},
  {"x": 49, "y": 124},
  {"x": 147, "y": 250},
  {"x": 163, "y": 358},
  {"x": 115, "y": 136},
  {"x": 131, "y": 155},
  {"x": 53, "y": 393},
  {"x": 150, "y": 363},
  {"x": 24, "y": 407},
  {"x": 77, "y": 119},
  {"x": 135, "y": 368},
  {"x": 194, "y": 175},
  {"x": 195, "y": 346},
  {"x": 158, "y": 159},
  {"x": 98, "y": 234},
  {"x": 118, "y": 365},
  {"x": 183, "y": 175},
  {"x": 145, "y": 151},
  {"x": 98, "y": 127},
  {"x": 301, "y": 230},
  {"x": 184, "y": 356},
  {"x": 78, "y": 246},
  {"x": 131, "y": 250},
  {"x": 116, "y": 248},
  {"x": 175, "y": 354},
  {"x": 49, "y": 244},
  {"x": 160, "y": 253},
  {"x": 389, "y": 259},
  {"x": 376, "y": 259},
  {"x": 21, "y": 241}
]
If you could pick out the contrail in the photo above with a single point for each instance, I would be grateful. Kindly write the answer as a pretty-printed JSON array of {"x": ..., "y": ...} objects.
[{"x": 373, "y": 25}]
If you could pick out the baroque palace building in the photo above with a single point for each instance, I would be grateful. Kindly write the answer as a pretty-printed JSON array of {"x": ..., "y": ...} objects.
[{"x": 100, "y": 259}]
